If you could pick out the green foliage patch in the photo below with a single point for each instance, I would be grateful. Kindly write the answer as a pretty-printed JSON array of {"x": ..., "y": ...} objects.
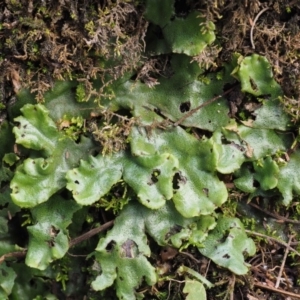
[
  {"x": 161, "y": 151},
  {"x": 37, "y": 179},
  {"x": 162, "y": 164},
  {"x": 48, "y": 237},
  {"x": 7, "y": 277}
]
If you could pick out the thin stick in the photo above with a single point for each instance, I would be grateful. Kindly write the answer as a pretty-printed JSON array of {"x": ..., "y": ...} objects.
[
  {"x": 77, "y": 240},
  {"x": 232, "y": 284},
  {"x": 190, "y": 256},
  {"x": 207, "y": 268},
  {"x": 280, "y": 291},
  {"x": 273, "y": 239},
  {"x": 90, "y": 233},
  {"x": 253, "y": 24},
  {"x": 283, "y": 263},
  {"x": 279, "y": 218},
  {"x": 17, "y": 254},
  {"x": 200, "y": 106}
]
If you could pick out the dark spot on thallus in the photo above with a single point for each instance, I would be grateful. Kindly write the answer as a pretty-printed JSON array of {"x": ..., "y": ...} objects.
[
  {"x": 253, "y": 84},
  {"x": 222, "y": 240},
  {"x": 76, "y": 181},
  {"x": 51, "y": 244},
  {"x": 185, "y": 106},
  {"x": 110, "y": 246},
  {"x": 23, "y": 135},
  {"x": 177, "y": 180},
  {"x": 227, "y": 256},
  {"x": 205, "y": 191},
  {"x": 154, "y": 177}
]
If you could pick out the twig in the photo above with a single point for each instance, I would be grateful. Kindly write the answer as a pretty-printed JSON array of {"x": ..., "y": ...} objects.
[
  {"x": 280, "y": 291},
  {"x": 253, "y": 25},
  {"x": 207, "y": 268},
  {"x": 283, "y": 263},
  {"x": 280, "y": 218},
  {"x": 169, "y": 289},
  {"x": 272, "y": 239},
  {"x": 232, "y": 284},
  {"x": 90, "y": 233},
  {"x": 73, "y": 242},
  {"x": 17, "y": 254},
  {"x": 190, "y": 256},
  {"x": 200, "y": 106}
]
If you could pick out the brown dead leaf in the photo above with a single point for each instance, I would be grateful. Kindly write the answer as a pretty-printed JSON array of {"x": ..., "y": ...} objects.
[
  {"x": 168, "y": 253},
  {"x": 15, "y": 78},
  {"x": 64, "y": 124},
  {"x": 248, "y": 123},
  {"x": 249, "y": 152}
]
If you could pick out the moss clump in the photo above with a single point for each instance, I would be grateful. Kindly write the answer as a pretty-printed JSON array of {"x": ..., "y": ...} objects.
[{"x": 55, "y": 40}]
